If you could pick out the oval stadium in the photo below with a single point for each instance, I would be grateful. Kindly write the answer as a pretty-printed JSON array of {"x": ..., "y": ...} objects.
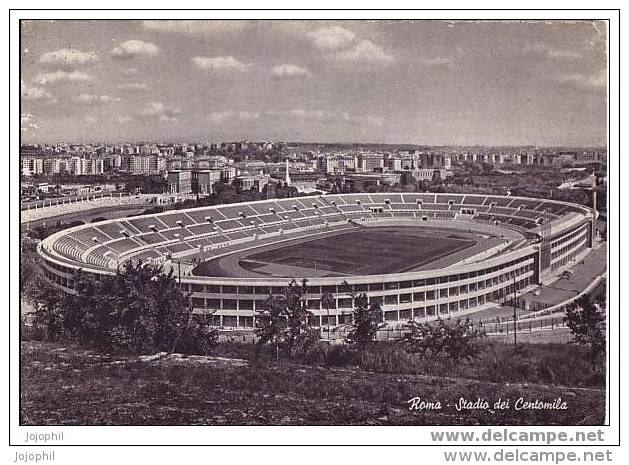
[{"x": 420, "y": 255}]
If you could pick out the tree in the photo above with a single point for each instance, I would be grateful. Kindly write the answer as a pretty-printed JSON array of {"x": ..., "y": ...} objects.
[
  {"x": 283, "y": 321},
  {"x": 139, "y": 310},
  {"x": 585, "y": 321},
  {"x": 328, "y": 301},
  {"x": 366, "y": 322},
  {"x": 458, "y": 340}
]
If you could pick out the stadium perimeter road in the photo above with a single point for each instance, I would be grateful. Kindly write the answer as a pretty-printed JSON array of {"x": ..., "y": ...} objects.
[
  {"x": 555, "y": 292},
  {"x": 584, "y": 272}
]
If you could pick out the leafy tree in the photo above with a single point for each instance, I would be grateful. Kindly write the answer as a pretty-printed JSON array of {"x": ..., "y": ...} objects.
[
  {"x": 585, "y": 321},
  {"x": 31, "y": 273},
  {"x": 283, "y": 321},
  {"x": 138, "y": 310},
  {"x": 366, "y": 322},
  {"x": 49, "y": 317},
  {"x": 458, "y": 340},
  {"x": 328, "y": 301}
]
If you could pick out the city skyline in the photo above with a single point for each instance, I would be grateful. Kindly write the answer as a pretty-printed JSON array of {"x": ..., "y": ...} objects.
[{"x": 404, "y": 82}]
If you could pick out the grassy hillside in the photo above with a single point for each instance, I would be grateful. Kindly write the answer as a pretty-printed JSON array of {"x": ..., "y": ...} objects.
[{"x": 72, "y": 386}]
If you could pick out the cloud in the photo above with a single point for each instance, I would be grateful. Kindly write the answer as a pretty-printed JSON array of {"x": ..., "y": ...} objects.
[
  {"x": 331, "y": 38},
  {"x": 195, "y": 28},
  {"x": 218, "y": 117},
  {"x": 36, "y": 94},
  {"x": 160, "y": 112},
  {"x": 545, "y": 50},
  {"x": 27, "y": 122},
  {"x": 61, "y": 76},
  {"x": 327, "y": 117},
  {"x": 93, "y": 99},
  {"x": 583, "y": 81},
  {"x": 366, "y": 52},
  {"x": 90, "y": 120},
  {"x": 129, "y": 71},
  {"x": 133, "y": 87},
  {"x": 437, "y": 62},
  {"x": 288, "y": 71},
  {"x": 122, "y": 119},
  {"x": 135, "y": 48},
  {"x": 226, "y": 63},
  {"x": 69, "y": 58}
]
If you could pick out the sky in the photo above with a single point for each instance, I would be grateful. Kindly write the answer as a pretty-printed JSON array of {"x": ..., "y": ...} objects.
[{"x": 418, "y": 82}]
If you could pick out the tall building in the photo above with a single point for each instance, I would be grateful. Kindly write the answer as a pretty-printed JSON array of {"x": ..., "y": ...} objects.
[
  {"x": 31, "y": 165},
  {"x": 180, "y": 182},
  {"x": 203, "y": 181},
  {"x": 369, "y": 162},
  {"x": 141, "y": 164}
]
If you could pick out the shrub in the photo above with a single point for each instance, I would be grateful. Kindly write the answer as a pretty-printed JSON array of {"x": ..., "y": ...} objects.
[
  {"x": 341, "y": 355},
  {"x": 456, "y": 341},
  {"x": 197, "y": 338}
]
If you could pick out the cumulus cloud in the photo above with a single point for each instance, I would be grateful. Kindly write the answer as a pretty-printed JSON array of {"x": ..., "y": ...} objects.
[
  {"x": 135, "y": 48},
  {"x": 133, "y": 87},
  {"x": 547, "y": 51},
  {"x": 129, "y": 71},
  {"x": 327, "y": 117},
  {"x": 160, "y": 112},
  {"x": 583, "y": 81},
  {"x": 61, "y": 76},
  {"x": 36, "y": 94},
  {"x": 218, "y": 117},
  {"x": 288, "y": 71},
  {"x": 68, "y": 58},
  {"x": 195, "y": 28},
  {"x": 331, "y": 38},
  {"x": 94, "y": 99},
  {"x": 366, "y": 52},
  {"x": 437, "y": 62},
  {"x": 27, "y": 122},
  {"x": 226, "y": 63}
]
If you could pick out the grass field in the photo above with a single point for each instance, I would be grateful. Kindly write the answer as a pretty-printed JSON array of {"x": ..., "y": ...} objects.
[
  {"x": 363, "y": 251},
  {"x": 63, "y": 385},
  {"x": 367, "y": 251}
]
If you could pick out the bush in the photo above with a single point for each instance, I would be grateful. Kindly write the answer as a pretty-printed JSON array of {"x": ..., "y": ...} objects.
[
  {"x": 456, "y": 341},
  {"x": 117, "y": 341},
  {"x": 198, "y": 338},
  {"x": 324, "y": 354},
  {"x": 341, "y": 355},
  {"x": 317, "y": 354}
]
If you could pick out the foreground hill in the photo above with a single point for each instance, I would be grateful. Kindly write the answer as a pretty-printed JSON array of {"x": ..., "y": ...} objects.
[{"x": 72, "y": 386}]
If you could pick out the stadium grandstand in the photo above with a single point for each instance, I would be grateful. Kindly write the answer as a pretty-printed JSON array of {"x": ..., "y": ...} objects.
[
  {"x": 419, "y": 255},
  {"x": 50, "y": 208}
]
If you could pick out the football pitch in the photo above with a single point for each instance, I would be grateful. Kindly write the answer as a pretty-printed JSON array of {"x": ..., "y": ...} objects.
[{"x": 364, "y": 251}]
